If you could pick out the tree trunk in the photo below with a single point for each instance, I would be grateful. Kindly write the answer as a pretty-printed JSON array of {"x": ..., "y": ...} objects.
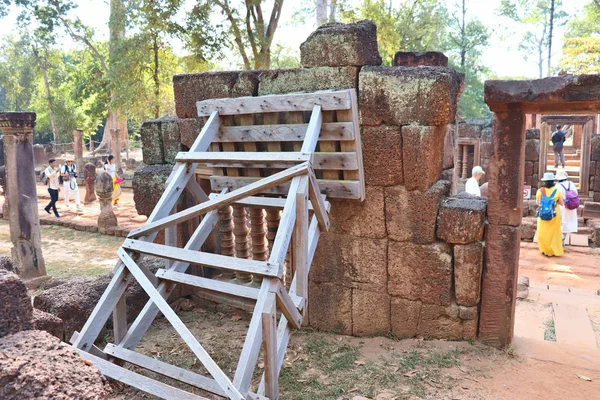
[
  {"x": 321, "y": 12},
  {"x": 463, "y": 34},
  {"x": 156, "y": 79},
  {"x": 541, "y": 60},
  {"x": 550, "y": 37},
  {"x": 333, "y": 11},
  {"x": 44, "y": 68}
]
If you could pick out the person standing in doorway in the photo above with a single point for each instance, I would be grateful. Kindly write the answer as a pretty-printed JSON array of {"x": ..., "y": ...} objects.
[
  {"x": 52, "y": 172},
  {"x": 472, "y": 185},
  {"x": 568, "y": 212},
  {"x": 549, "y": 233},
  {"x": 111, "y": 168},
  {"x": 69, "y": 175},
  {"x": 558, "y": 140}
]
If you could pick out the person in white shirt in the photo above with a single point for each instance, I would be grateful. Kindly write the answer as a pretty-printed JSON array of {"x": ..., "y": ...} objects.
[
  {"x": 472, "y": 185},
  {"x": 69, "y": 175},
  {"x": 52, "y": 172},
  {"x": 568, "y": 217}
]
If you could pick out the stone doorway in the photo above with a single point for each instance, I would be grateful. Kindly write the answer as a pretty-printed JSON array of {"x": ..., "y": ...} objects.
[{"x": 511, "y": 101}]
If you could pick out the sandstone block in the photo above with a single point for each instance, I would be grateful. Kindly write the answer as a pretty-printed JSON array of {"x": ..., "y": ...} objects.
[
  {"x": 148, "y": 187},
  {"x": 349, "y": 216},
  {"x": 506, "y": 170},
  {"x": 528, "y": 228},
  {"x": 351, "y": 262},
  {"x": 449, "y": 143},
  {"x": 411, "y": 216},
  {"x": 595, "y": 148},
  {"x": 420, "y": 143},
  {"x": 468, "y": 261},
  {"x": 190, "y": 88},
  {"x": 469, "y": 131},
  {"x": 36, "y": 365},
  {"x": 171, "y": 138},
  {"x": 405, "y": 317},
  {"x": 532, "y": 150},
  {"x": 382, "y": 155},
  {"x": 337, "y": 45},
  {"x": 330, "y": 307},
  {"x": 486, "y": 135},
  {"x": 189, "y": 129},
  {"x": 6, "y": 264},
  {"x": 43, "y": 321},
  {"x": 152, "y": 143},
  {"x": 16, "y": 312},
  {"x": 499, "y": 284},
  {"x": 461, "y": 220},
  {"x": 415, "y": 59},
  {"x": 485, "y": 151},
  {"x": 440, "y": 322},
  {"x": 532, "y": 134},
  {"x": 468, "y": 312},
  {"x": 307, "y": 79},
  {"x": 528, "y": 168},
  {"x": 426, "y": 96},
  {"x": 420, "y": 272},
  {"x": 370, "y": 313}
]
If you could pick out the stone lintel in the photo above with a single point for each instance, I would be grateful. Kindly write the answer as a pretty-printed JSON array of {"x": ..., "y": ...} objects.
[
  {"x": 414, "y": 59},
  {"x": 13, "y": 123}
]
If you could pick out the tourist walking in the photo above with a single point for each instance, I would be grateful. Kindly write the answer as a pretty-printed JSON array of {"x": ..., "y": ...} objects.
[
  {"x": 472, "y": 185},
  {"x": 111, "y": 168},
  {"x": 69, "y": 175},
  {"x": 558, "y": 140},
  {"x": 570, "y": 197},
  {"x": 549, "y": 233},
  {"x": 51, "y": 173}
]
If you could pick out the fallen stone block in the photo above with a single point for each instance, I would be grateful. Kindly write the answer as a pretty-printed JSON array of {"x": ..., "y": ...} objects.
[
  {"x": 528, "y": 228},
  {"x": 152, "y": 143},
  {"x": 43, "y": 321},
  {"x": 532, "y": 134},
  {"x": 36, "y": 365},
  {"x": 171, "y": 138},
  {"x": 420, "y": 143},
  {"x": 426, "y": 96},
  {"x": 148, "y": 187},
  {"x": 281, "y": 81},
  {"x": 190, "y": 88},
  {"x": 421, "y": 58},
  {"x": 468, "y": 262},
  {"x": 16, "y": 312},
  {"x": 420, "y": 272},
  {"x": 337, "y": 45},
  {"x": 461, "y": 220}
]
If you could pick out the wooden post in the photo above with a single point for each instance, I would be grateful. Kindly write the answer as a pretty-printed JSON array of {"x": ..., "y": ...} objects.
[
  {"x": 21, "y": 194},
  {"x": 227, "y": 239},
  {"x": 300, "y": 241},
  {"x": 241, "y": 231},
  {"x": 269, "y": 331}
]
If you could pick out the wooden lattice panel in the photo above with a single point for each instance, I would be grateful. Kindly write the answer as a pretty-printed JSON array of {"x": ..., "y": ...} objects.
[{"x": 278, "y": 123}]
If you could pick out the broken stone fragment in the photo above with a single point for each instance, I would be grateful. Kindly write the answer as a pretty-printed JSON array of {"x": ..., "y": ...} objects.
[
  {"x": 337, "y": 45},
  {"x": 16, "y": 312},
  {"x": 148, "y": 186},
  {"x": 424, "y": 58}
]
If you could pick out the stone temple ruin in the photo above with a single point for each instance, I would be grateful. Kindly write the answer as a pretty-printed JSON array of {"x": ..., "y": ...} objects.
[{"x": 344, "y": 168}]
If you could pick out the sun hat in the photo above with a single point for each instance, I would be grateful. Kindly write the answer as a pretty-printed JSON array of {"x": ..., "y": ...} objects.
[
  {"x": 548, "y": 176},
  {"x": 69, "y": 158},
  {"x": 561, "y": 174},
  {"x": 477, "y": 170}
]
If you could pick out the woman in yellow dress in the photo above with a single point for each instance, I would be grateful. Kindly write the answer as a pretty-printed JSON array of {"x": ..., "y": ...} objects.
[
  {"x": 549, "y": 232},
  {"x": 111, "y": 168}
]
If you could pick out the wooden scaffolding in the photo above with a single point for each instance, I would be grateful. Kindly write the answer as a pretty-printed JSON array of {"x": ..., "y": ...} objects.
[{"x": 302, "y": 149}]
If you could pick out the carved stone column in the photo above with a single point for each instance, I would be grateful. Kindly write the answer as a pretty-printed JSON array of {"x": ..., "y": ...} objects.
[
  {"x": 78, "y": 149},
  {"x": 21, "y": 194},
  {"x": 89, "y": 177},
  {"x": 104, "y": 189}
]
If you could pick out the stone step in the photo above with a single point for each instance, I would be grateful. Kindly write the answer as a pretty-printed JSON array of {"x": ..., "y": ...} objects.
[{"x": 573, "y": 325}]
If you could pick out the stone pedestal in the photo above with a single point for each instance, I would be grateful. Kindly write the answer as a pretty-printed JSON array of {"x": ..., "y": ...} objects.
[
  {"x": 21, "y": 194},
  {"x": 89, "y": 176},
  {"x": 104, "y": 189},
  {"x": 78, "y": 149},
  {"x": 115, "y": 147}
]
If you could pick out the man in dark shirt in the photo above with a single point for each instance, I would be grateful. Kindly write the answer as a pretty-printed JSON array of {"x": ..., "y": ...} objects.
[{"x": 558, "y": 139}]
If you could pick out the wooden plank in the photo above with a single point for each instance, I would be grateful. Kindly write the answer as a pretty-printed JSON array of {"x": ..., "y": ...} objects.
[
  {"x": 95, "y": 350},
  {"x": 118, "y": 284},
  {"x": 201, "y": 258},
  {"x": 120, "y": 318},
  {"x": 181, "y": 329},
  {"x": 334, "y": 131},
  {"x": 196, "y": 191},
  {"x": 328, "y": 146},
  {"x": 339, "y": 100},
  {"x": 251, "y": 349},
  {"x": 138, "y": 381},
  {"x": 143, "y": 321},
  {"x": 351, "y": 115},
  {"x": 170, "y": 238},
  {"x": 573, "y": 326},
  {"x": 268, "y": 202},
  {"x": 165, "y": 369},
  {"x": 269, "y": 328},
  {"x": 242, "y": 158},
  {"x": 320, "y": 161},
  {"x": 286, "y": 226},
  {"x": 286, "y": 304},
  {"x": 209, "y": 284},
  {"x": 317, "y": 201},
  {"x": 311, "y": 139},
  {"x": 333, "y": 189},
  {"x": 248, "y": 120},
  {"x": 257, "y": 186},
  {"x": 301, "y": 239}
]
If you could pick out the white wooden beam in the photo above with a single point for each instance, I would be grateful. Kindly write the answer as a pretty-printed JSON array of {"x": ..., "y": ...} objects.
[
  {"x": 269, "y": 328},
  {"x": 244, "y": 158},
  {"x": 267, "y": 202},
  {"x": 333, "y": 131},
  {"x": 286, "y": 304},
  {"x": 317, "y": 202}
]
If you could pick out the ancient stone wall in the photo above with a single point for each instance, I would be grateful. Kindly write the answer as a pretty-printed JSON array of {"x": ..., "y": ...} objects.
[
  {"x": 395, "y": 262},
  {"x": 595, "y": 168}
]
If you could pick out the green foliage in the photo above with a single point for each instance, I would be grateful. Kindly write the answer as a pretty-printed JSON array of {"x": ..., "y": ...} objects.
[
  {"x": 414, "y": 25},
  {"x": 18, "y": 74},
  {"x": 587, "y": 24},
  {"x": 581, "y": 46}
]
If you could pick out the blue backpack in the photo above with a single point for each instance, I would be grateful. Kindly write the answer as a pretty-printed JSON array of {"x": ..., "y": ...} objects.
[{"x": 547, "y": 209}]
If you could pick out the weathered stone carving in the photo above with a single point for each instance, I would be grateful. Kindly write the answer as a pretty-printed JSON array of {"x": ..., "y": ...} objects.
[
  {"x": 104, "y": 190},
  {"x": 89, "y": 177}
]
